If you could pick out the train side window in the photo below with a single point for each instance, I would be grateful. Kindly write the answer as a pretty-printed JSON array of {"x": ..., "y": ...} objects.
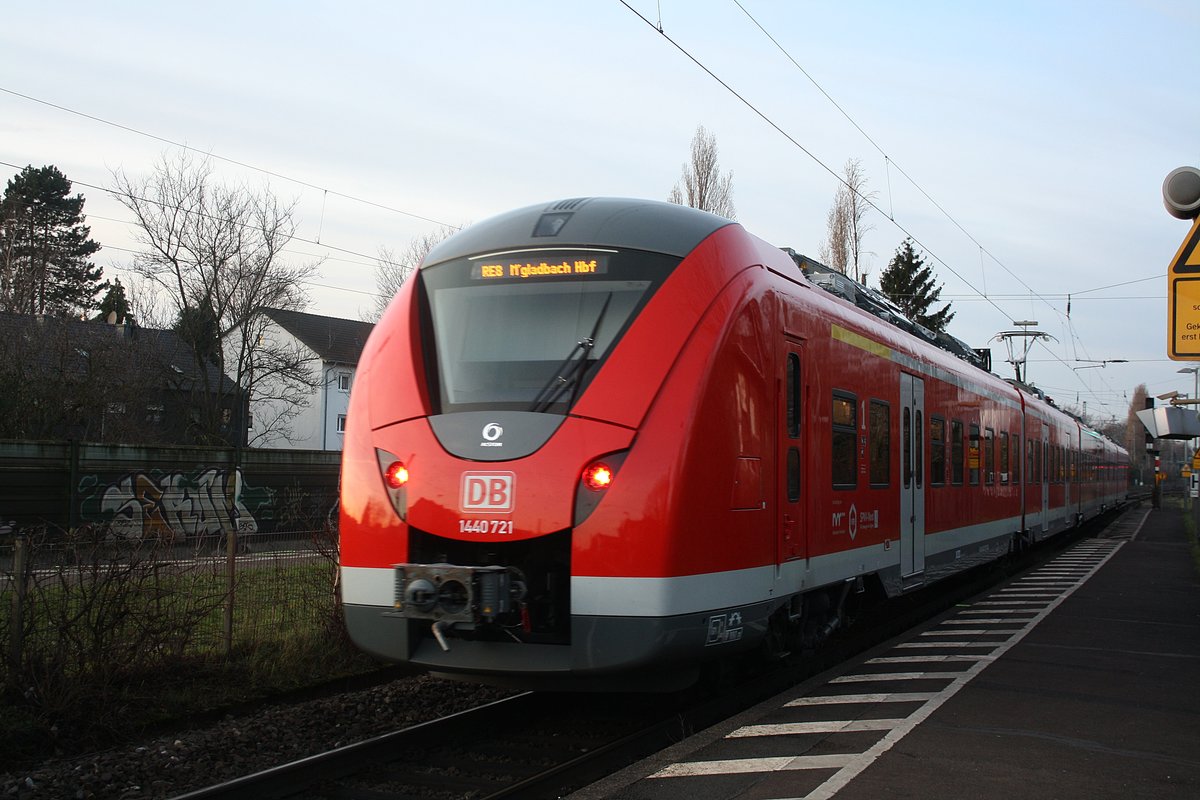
[
  {"x": 1029, "y": 461},
  {"x": 879, "y": 442},
  {"x": 1004, "y": 456},
  {"x": 937, "y": 451},
  {"x": 793, "y": 396},
  {"x": 989, "y": 453},
  {"x": 956, "y": 452},
  {"x": 845, "y": 438},
  {"x": 1016, "y": 458},
  {"x": 973, "y": 455}
]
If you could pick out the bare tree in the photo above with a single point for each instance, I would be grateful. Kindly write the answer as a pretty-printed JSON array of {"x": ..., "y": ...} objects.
[
  {"x": 216, "y": 252},
  {"x": 391, "y": 271},
  {"x": 846, "y": 225},
  {"x": 702, "y": 186}
]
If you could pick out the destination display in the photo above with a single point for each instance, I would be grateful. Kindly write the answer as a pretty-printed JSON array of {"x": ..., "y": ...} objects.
[{"x": 541, "y": 268}]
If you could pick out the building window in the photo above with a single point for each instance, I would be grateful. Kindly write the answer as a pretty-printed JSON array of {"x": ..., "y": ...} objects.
[
  {"x": 845, "y": 435},
  {"x": 343, "y": 381},
  {"x": 879, "y": 445},
  {"x": 341, "y": 423}
]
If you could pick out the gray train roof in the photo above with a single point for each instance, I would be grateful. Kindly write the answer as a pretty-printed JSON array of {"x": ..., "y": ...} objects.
[{"x": 594, "y": 221}]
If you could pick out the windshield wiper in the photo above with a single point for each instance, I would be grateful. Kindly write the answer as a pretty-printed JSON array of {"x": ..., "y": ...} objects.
[{"x": 570, "y": 372}]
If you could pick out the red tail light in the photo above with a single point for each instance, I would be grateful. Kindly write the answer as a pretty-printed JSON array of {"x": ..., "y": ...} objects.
[
  {"x": 396, "y": 475},
  {"x": 598, "y": 476}
]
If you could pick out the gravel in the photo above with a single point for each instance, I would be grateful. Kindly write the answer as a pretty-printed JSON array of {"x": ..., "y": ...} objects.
[{"x": 193, "y": 758}]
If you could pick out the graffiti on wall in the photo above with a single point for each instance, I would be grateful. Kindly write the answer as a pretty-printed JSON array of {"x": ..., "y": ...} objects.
[{"x": 170, "y": 506}]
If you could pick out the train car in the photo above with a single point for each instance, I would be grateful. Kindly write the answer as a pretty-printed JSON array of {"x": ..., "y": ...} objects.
[{"x": 601, "y": 442}]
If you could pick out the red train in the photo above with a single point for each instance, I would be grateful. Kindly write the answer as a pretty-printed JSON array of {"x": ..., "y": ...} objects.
[{"x": 612, "y": 439}]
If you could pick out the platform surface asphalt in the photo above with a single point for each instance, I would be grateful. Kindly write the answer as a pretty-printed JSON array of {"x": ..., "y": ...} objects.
[{"x": 1078, "y": 679}]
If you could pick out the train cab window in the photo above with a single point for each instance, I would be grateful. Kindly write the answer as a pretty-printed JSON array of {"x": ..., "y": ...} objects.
[
  {"x": 937, "y": 451},
  {"x": 973, "y": 455},
  {"x": 879, "y": 442},
  {"x": 528, "y": 330},
  {"x": 989, "y": 453},
  {"x": 845, "y": 438},
  {"x": 956, "y": 452},
  {"x": 793, "y": 396},
  {"x": 1003, "y": 456}
]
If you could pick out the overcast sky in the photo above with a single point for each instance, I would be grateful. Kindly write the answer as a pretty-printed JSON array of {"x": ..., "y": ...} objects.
[{"x": 1022, "y": 144}]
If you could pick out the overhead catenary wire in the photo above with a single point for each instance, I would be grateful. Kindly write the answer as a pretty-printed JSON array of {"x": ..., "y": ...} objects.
[
  {"x": 888, "y": 160},
  {"x": 901, "y": 227},
  {"x": 226, "y": 159},
  {"x": 370, "y": 262}
]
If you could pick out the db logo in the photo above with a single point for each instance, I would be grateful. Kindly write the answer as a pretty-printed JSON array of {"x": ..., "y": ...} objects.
[{"x": 488, "y": 491}]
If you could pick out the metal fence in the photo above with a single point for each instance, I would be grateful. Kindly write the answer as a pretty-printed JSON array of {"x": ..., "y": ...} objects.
[{"x": 86, "y": 603}]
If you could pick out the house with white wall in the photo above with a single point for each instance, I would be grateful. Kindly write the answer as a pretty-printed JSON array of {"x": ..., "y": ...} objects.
[{"x": 331, "y": 347}]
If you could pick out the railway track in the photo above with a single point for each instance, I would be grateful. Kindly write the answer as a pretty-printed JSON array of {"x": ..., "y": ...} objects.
[{"x": 542, "y": 745}]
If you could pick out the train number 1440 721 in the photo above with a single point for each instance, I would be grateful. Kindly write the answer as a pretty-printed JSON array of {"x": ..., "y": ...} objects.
[{"x": 501, "y": 527}]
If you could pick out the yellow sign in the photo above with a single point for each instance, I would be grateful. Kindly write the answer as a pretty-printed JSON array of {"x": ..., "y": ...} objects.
[
  {"x": 1196, "y": 460},
  {"x": 1186, "y": 472},
  {"x": 1183, "y": 304}
]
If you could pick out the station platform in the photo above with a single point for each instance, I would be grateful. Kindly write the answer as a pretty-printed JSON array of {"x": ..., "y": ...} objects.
[{"x": 1077, "y": 679}]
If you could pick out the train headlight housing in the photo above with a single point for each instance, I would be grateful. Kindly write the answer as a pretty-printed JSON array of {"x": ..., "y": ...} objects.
[
  {"x": 598, "y": 476},
  {"x": 395, "y": 475},
  {"x": 595, "y": 480}
]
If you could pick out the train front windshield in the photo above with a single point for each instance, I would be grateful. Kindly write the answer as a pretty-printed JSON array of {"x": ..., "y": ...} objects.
[{"x": 527, "y": 330}]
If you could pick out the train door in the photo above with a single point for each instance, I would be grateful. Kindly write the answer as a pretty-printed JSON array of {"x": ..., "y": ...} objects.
[
  {"x": 912, "y": 475},
  {"x": 1044, "y": 468},
  {"x": 792, "y": 541}
]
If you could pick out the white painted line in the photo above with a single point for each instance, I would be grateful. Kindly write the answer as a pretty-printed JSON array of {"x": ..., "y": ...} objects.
[
  {"x": 832, "y": 726},
  {"x": 840, "y": 699},
  {"x": 749, "y": 765},
  {"x": 1010, "y": 603},
  {"x": 1031, "y": 591},
  {"x": 895, "y": 676},
  {"x": 998, "y": 611},
  {"x": 997, "y": 621},
  {"x": 972, "y": 631},
  {"x": 831, "y": 786},
  {"x": 1141, "y": 522},
  {"x": 905, "y": 645},
  {"x": 927, "y": 659}
]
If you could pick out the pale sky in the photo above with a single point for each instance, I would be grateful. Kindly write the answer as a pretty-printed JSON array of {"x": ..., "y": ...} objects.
[{"x": 1042, "y": 130}]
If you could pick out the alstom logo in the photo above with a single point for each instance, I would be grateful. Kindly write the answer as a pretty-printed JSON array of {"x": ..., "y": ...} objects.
[{"x": 491, "y": 492}]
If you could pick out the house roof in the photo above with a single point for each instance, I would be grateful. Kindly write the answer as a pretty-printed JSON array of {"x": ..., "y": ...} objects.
[
  {"x": 66, "y": 345},
  {"x": 335, "y": 340}
]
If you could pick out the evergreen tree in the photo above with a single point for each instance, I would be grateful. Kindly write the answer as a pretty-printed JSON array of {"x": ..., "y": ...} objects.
[
  {"x": 114, "y": 302},
  {"x": 908, "y": 282},
  {"x": 45, "y": 252}
]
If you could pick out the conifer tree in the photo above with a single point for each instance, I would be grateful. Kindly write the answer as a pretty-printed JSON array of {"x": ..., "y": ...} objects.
[
  {"x": 908, "y": 282},
  {"x": 45, "y": 249}
]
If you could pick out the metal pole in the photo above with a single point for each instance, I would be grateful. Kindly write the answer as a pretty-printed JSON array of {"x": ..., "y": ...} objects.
[{"x": 20, "y": 572}]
